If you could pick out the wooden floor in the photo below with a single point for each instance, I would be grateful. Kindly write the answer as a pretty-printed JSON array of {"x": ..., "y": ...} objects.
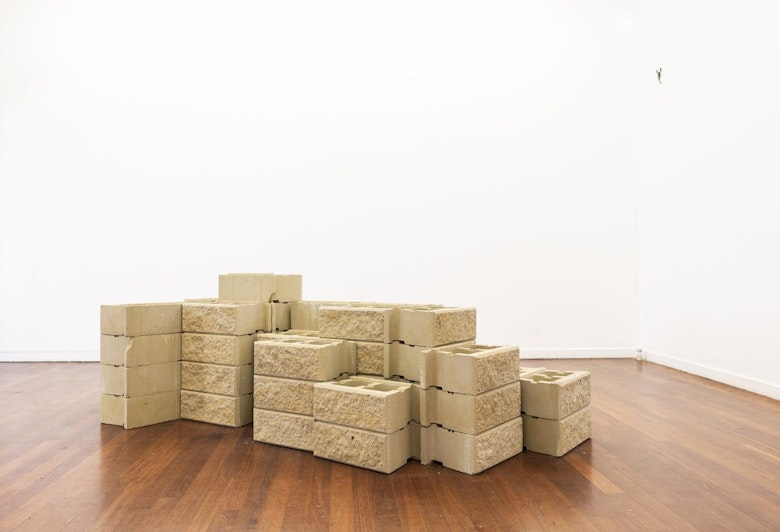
[{"x": 669, "y": 452}]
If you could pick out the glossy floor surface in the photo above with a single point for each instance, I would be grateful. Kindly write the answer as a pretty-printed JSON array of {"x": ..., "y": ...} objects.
[{"x": 669, "y": 452}]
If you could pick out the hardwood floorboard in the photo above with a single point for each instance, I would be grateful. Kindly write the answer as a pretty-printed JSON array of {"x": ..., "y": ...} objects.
[{"x": 670, "y": 451}]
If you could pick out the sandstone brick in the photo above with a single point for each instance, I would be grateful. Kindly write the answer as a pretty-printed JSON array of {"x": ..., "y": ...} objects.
[
  {"x": 406, "y": 360},
  {"x": 368, "y": 324},
  {"x": 363, "y": 448},
  {"x": 286, "y": 395},
  {"x": 234, "y": 318},
  {"x": 134, "y": 412},
  {"x": 247, "y": 287},
  {"x": 305, "y": 315},
  {"x": 469, "y": 414},
  {"x": 372, "y": 357},
  {"x": 286, "y": 335},
  {"x": 553, "y": 394},
  {"x": 280, "y": 317},
  {"x": 283, "y": 428},
  {"x": 288, "y": 288},
  {"x": 140, "y": 350},
  {"x": 363, "y": 403},
  {"x": 470, "y": 370},
  {"x": 140, "y": 380},
  {"x": 217, "y": 378},
  {"x": 140, "y": 319},
  {"x": 435, "y": 326},
  {"x": 304, "y": 358},
  {"x": 217, "y": 409},
  {"x": 557, "y": 437},
  {"x": 225, "y": 349},
  {"x": 471, "y": 453}
]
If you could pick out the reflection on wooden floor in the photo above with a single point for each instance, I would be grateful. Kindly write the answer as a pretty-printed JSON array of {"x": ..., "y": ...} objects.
[{"x": 669, "y": 452}]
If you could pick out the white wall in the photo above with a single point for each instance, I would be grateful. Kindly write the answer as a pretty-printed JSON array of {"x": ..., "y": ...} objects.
[
  {"x": 466, "y": 153},
  {"x": 708, "y": 171}
]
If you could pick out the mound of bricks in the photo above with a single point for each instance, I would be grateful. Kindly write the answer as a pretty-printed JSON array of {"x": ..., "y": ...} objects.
[
  {"x": 556, "y": 409},
  {"x": 364, "y": 383}
]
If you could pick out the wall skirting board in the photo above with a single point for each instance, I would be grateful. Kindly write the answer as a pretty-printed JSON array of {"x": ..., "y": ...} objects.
[
  {"x": 50, "y": 355},
  {"x": 610, "y": 352},
  {"x": 732, "y": 379}
]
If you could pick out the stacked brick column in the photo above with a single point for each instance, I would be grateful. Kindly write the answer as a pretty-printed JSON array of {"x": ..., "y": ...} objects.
[
  {"x": 556, "y": 410},
  {"x": 286, "y": 369},
  {"x": 217, "y": 361},
  {"x": 140, "y": 368},
  {"x": 470, "y": 406}
]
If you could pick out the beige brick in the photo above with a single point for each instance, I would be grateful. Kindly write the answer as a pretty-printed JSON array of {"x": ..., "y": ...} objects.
[
  {"x": 287, "y": 395},
  {"x": 368, "y": 324},
  {"x": 289, "y": 288},
  {"x": 216, "y": 378},
  {"x": 363, "y": 448},
  {"x": 225, "y": 349},
  {"x": 470, "y": 370},
  {"x": 140, "y": 380},
  {"x": 304, "y": 358},
  {"x": 372, "y": 357},
  {"x": 471, "y": 453},
  {"x": 216, "y": 409},
  {"x": 140, "y": 350},
  {"x": 247, "y": 287},
  {"x": 553, "y": 394},
  {"x": 223, "y": 318},
  {"x": 435, "y": 326},
  {"x": 406, "y": 360},
  {"x": 280, "y": 317},
  {"x": 363, "y": 403},
  {"x": 283, "y": 428},
  {"x": 305, "y": 315},
  {"x": 557, "y": 437},
  {"x": 140, "y": 319},
  {"x": 134, "y": 412},
  {"x": 469, "y": 414}
]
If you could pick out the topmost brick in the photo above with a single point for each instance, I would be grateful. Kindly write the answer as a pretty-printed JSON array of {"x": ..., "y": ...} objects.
[
  {"x": 264, "y": 287},
  {"x": 140, "y": 319}
]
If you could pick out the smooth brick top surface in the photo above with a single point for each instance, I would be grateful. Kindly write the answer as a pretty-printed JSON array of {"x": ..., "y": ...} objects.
[{"x": 140, "y": 319}]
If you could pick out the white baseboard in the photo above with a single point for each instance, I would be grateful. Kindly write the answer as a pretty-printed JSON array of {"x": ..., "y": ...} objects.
[
  {"x": 610, "y": 352},
  {"x": 49, "y": 355},
  {"x": 732, "y": 379}
]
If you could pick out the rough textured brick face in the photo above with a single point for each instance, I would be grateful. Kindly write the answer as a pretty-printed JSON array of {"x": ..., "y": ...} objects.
[
  {"x": 140, "y": 350},
  {"x": 307, "y": 359},
  {"x": 362, "y": 448},
  {"x": 363, "y": 403},
  {"x": 283, "y": 428},
  {"x": 469, "y": 414},
  {"x": 223, "y": 318},
  {"x": 286, "y": 395},
  {"x": 372, "y": 357},
  {"x": 557, "y": 437},
  {"x": 140, "y": 319},
  {"x": 367, "y": 324},
  {"x": 215, "y": 378},
  {"x": 436, "y": 326},
  {"x": 218, "y": 348},
  {"x": 472, "y": 454},
  {"x": 470, "y": 370},
  {"x": 555, "y": 394},
  {"x": 216, "y": 409}
]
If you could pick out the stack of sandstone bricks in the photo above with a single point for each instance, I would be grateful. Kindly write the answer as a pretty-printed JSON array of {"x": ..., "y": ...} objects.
[
  {"x": 449, "y": 401},
  {"x": 218, "y": 343},
  {"x": 556, "y": 409},
  {"x": 367, "y": 384},
  {"x": 140, "y": 368}
]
